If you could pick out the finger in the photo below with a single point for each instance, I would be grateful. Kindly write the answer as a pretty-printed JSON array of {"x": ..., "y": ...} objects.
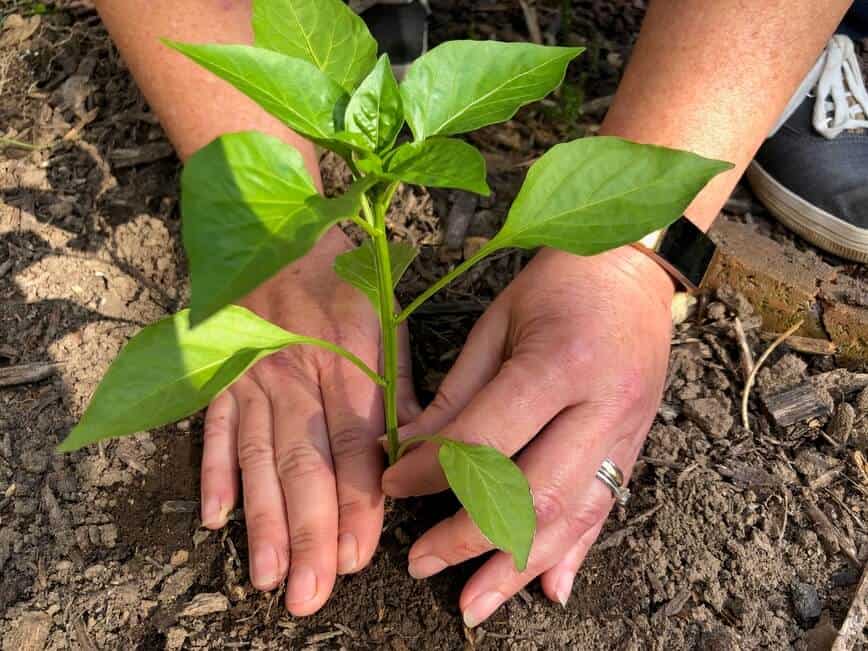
[
  {"x": 505, "y": 414},
  {"x": 477, "y": 363},
  {"x": 267, "y": 529},
  {"x": 354, "y": 414},
  {"x": 307, "y": 476},
  {"x": 457, "y": 539},
  {"x": 562, "y": 522},
  {"x": 557, "y": 582},
  {"x": 408, "y": 403},
  {"x": 219, "y": 485}
]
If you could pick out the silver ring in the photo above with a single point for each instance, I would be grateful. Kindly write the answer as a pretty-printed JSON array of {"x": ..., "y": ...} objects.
[{"x": 612, "y": 476}]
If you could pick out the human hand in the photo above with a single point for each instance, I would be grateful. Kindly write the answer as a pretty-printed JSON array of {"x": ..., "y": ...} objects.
[
  {"x": 570, "y": 360},
  {"x": 302, "y": 428}
]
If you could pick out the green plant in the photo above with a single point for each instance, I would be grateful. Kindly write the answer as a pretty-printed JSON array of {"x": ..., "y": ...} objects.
[{"x": 250, "y": 207}]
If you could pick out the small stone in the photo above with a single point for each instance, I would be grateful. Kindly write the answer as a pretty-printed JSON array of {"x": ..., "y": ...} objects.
[
  {"x": 841, "y": 425},
  {"x": 862, "y": 402},
  {"x": 846, "y": 577},
  {"x": 206, "y": 603},
  {"x": 28, "y": 633},
  {"x": 177, "y": 584},
  {"x": 108, "y": 534},
  {"x": 822, "y": 636},
  {"x": 716, "y": 311},
  {"x": 806, "y": 603},
  {"x": 175, "y": 637},
  {"x": 94, "y": 572},
  {"x": 712, "y": 415},
  {"x": 184, "y": 425},
  {"x": 179, "y": 558}
]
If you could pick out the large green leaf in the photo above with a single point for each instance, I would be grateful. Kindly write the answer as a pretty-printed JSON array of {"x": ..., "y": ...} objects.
[
  {"x": 375, "y": 110},
  {"x": 460, "y": 86},
  {"x": 595, "y": 194},
  {"x": 292, "y": 90},
  {"x": 326, "y": 33},
  {"x": 439, "y": 163},
  {"x": 359, "y": 266},
  {"x": 169, "y": 371},
  {"x": 249, "y": 208},
  {"x": 495, "y": 494}
]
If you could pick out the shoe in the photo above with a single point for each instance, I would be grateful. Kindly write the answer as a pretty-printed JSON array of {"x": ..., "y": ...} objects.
[
  {"x": 812, "y": 172},
  {"x": 400, "y": 28}
]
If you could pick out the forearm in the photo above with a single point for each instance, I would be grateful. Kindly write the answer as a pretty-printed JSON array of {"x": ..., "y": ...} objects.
[
  {"x": 713, "y": 77},
  {"x": 193, "y": 105}
]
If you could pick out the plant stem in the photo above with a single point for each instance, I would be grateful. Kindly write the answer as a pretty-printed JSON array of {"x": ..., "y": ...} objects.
[
  {"x": 347, "y": 355},
  {"x": 415, "y": 440},
  {"x": 387, "y": 318},
  {"x": 445, "y": 280}
]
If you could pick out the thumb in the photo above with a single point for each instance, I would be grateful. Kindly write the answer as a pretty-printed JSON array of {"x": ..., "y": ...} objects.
[{"x": 476, "y": 365}]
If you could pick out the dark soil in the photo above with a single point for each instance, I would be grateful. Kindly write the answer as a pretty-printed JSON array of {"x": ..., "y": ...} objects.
[{"x": 101, "y": 549}]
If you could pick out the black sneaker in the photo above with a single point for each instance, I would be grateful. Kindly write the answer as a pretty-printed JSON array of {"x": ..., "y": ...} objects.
[
  {"x": 812, "y": 172},
  {"x": 400, "y": 28}
]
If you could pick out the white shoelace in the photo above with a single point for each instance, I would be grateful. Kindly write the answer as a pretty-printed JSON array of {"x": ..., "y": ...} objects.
[{"x": 837, "y": 83}]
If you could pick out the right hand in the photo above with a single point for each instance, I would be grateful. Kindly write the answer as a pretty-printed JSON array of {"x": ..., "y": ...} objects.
[{"x": 302, "y": 427}]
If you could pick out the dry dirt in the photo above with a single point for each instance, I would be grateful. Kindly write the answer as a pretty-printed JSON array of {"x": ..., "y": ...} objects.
[{"x": 735, "y": 539}]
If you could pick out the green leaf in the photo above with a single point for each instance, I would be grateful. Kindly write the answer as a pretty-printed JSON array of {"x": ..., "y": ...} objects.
[
  {"x": 375, "y": 111},
  {"x": 249, "y": 208},
  {"x": 292, "y": 90},
  {"x": 460, "y": 86},
  {"x": 358, "y": 267},
  {"x": 495, "y": 494},
  {"x": 439, "y": 163},
  {"x": 595, "y": 194},
  {"x": 325, "y": 33},
  {"x": 169, "y": 371}
]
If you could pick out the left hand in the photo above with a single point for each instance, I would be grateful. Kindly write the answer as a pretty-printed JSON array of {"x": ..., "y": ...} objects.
[{"x": 570, "y": 361}]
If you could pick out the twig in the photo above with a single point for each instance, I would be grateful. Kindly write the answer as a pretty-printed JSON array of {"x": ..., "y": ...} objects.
[
  {"x": 26, "y": 373},
  {"x": 530, "y": 17},
  {"x": 748, "y": 386},
  {"x": 850, "y": 633},
  {"x": 9, "y": 142},
  {"x": 744, "y": 349}
]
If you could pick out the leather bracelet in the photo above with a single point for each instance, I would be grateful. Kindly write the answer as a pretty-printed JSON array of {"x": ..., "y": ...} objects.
[{"x": 683, "y": 250}]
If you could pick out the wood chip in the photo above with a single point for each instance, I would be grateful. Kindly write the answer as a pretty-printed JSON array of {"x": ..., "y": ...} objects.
[
  {"x": 806, "y": 345},
  {"x": 459, "y": 219},
  {"x": 26, "y": 373},
  {"x": 801, "y": 403},
  {"x": 150, "y": 153},
  {"x": 841, "y": 425},
  {"x": 206, "y": 603},
  {"x": 852, "y": 630},
  {"x": 832, "y": 536}
]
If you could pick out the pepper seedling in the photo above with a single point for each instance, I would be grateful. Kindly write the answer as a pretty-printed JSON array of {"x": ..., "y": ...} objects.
[{"x": 249, "y": 207}]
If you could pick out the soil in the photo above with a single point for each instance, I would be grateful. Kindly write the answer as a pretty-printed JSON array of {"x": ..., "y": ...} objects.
[{"x": 721, "y": 546}]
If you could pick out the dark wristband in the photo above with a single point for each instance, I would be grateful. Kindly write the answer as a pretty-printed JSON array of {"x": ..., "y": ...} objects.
[{"x": 683, "y": 250}]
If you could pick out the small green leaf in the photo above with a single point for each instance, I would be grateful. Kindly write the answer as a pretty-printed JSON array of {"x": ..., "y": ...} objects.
[
  {"x": 292, "y": 90},
  {"x": 358, "y": 267},
  {"x": 169, "y": 371},
  {"x": 325, "y": 33},
  {"x": 460, "y": 86},
  {"x": 375, "y": 111},
  {"x": 249, "y": 208},
  {"x": 495, "y": 494},
  {"x": 595, "y": 194},
  {"x": 439, "y": 163}
]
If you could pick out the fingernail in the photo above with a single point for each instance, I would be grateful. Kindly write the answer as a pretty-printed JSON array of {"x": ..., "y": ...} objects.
[
  {"x": 425, "y": 566},
  {"x": 482, "y": 607},
  {"x": 211, "y": 511},
  {"x": 265, "y": 568},
  {"x": 564, "y": 589},
  {"x": 302, "y": 584},
  {"x": 348, "y": 553}
]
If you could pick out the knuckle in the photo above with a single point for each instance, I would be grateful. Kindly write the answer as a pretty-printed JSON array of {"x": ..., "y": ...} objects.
[
  {"x": 350, "y": 443},
  {"x": 254, "y": 452},
  {"x": 549, "y": 507},
  {"x": 584, "y": 518},
  {"x": 300, "y": 461},
  {"x": 444, "y": 402},
  {"x": 263, "y": 523},
  {"x": 304, "y": 540},
  {"x": 282, "y": 366},
  {"x": 348, "y": 509}
]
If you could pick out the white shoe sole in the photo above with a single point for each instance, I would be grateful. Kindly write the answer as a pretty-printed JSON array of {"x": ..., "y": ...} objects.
[{"x": 812, "y": 223}]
